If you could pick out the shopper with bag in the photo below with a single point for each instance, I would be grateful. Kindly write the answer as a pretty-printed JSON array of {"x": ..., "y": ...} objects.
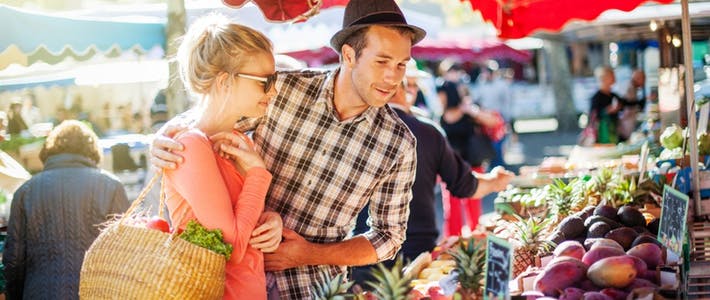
[
  {"x": 230, "y": 68},
  {"x": 54, "y": 215},
  {"x": 465, "y": 129},
  {"x": 605, "y": 107}
]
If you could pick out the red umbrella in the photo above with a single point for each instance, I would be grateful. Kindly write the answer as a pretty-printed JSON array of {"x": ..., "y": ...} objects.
[
  {"x": 288, "y": 10},
  {"x": 518, "y": 18}
]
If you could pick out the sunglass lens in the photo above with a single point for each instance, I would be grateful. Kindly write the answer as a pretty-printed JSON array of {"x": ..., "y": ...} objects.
[{"x": 269, "y": 82}]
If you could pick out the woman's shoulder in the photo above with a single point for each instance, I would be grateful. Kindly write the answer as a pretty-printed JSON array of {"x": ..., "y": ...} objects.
[{"x": 192, "y": 136}]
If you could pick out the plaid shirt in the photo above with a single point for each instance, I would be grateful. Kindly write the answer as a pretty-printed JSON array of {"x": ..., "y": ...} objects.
[{"x": 326, "y": 170}]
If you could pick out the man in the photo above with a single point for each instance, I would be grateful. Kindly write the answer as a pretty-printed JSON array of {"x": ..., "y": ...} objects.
[
  {"x": 435, "y": 157},
  {"x": 333, "y": 146}
]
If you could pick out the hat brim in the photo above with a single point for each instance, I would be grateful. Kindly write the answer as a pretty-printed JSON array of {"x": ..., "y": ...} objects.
[{"x": 338, "y": 39}]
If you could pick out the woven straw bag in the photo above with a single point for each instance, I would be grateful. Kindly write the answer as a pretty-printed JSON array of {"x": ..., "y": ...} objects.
[{"x": 127, "y": 262}]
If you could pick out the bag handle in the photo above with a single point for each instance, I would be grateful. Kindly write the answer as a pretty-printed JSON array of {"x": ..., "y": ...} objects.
[{"x": 143, "y": 194}]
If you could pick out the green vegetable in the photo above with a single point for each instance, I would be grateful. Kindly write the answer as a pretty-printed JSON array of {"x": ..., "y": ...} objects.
[
  {"x": 210, "y": 239},
  {"x": 704, "y": 144},
  {"x": 672, "y": 137}
]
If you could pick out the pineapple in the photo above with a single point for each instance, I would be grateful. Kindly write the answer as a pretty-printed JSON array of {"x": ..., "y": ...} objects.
[
  {"x": 529, "y": 234},
  {"x": 330, "y": 288},
  {"x": 390, "y": 284},
  {"x": 560, "y": 195},
  {"x": 470, "y": 257}
]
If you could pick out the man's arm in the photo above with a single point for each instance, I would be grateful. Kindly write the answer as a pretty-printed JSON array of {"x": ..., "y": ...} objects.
[
  {"x": 389, "y": 212},
  {"x": 463, "y": 183},
  {"x": 295, "y": 251}
]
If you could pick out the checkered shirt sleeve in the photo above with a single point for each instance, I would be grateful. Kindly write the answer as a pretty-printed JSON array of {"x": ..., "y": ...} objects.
[{"x": 326, "y": 170}]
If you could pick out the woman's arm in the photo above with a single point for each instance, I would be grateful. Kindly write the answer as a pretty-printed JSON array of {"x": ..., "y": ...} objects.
[{"x": 199, "y": 181}]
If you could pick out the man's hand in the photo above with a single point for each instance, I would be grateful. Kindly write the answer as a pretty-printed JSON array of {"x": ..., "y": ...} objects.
[
  {"x": 292, "y": 252},
  {"x": 494, "y": 181},
  {"x": 267, "y": 235},
  {"x": 161, "y": 155}
]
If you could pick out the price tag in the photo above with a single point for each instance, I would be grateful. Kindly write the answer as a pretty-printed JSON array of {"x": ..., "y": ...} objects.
[
  {"x": 674, "y": 217},
  {"x": 498, "y": 268}
]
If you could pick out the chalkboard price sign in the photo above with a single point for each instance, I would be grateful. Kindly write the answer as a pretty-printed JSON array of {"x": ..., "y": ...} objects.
[
  {"x": 498, "y": 269},
  {"x": 674, "y": 217}
]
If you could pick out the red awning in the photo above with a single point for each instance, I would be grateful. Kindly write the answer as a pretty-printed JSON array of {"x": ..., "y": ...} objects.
[
  {"x": 465, "y": 51},
  {"x": 469, "y": 50},
  {"x": 519, "y": 18},
  {"x": 288, "y": 10}
]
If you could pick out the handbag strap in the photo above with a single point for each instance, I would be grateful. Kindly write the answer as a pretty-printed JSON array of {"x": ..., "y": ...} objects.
[{"x": 143, "y": 194}]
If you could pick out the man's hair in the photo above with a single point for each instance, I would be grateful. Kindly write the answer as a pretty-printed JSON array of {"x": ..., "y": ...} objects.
[
  {"x": 72, "y": 137},
  {"x": 358, "y": 39}
]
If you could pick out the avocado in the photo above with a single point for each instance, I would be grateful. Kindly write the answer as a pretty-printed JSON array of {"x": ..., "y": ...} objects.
[
  {"x": 557, "y": 237},
  {"x": 572, "y": 227},
  {"x": 606, "y": 211},
  {"x": 593, "y": 219},
  {"x": 598, "y": 230},
  {"x": 640, "y": 229},
  {"x": 630, "y": 216},
  {"x": 588, "y": 211},
  {"x": 623, "y": 235},
  {"x": 645, "y": 238},
  {"x": 653, "y": 226}
]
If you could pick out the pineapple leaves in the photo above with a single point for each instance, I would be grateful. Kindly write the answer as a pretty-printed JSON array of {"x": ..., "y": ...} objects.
[{"x": 332, "y": 288}]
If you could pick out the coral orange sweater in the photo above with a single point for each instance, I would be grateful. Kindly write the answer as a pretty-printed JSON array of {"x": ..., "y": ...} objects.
[{"x": 208, "y": 188}]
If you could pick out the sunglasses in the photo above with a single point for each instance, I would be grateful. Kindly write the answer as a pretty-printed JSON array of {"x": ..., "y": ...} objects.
[{"x": 267, "y": 81}]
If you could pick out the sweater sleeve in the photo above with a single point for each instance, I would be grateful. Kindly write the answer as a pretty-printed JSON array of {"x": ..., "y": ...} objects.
[
  {"x": 14, "y": 255},
  {"x": 455, "y": 171},
  {"x": 199, "y": 181}
]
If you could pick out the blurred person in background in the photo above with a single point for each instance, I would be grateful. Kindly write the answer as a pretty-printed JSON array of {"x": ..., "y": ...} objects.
[
  {"x": 635, "y": 103},
  {"x": 15, "y": 123},
  {"x": 54, "y": 216},
  {"x": 496, "y": 97},
  {"x": 30, "y": 111},
  {"x": 605, "y": 107},
  {"x": 464, "y": 126}
]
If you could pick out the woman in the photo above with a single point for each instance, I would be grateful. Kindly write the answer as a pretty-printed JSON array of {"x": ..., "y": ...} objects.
[
  {"x": 231, "y": 69},
  {"x": 464, "y": 129},
  {"x": 605, "y": 107},
  {"x": 54, "y": 215}
]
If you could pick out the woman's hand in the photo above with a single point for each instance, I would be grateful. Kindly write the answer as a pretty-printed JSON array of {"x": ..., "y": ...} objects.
[
  {"x": 267, "y": 235},
  {"x": 239, "y": 148},
  {"x": 161, "y": 155}
]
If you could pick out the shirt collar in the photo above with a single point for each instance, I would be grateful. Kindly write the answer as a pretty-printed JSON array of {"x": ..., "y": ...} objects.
[{"x": 328, "y": 96}]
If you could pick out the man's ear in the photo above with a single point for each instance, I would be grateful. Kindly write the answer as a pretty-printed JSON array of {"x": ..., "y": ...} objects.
[{"x": 348, "y": 54}]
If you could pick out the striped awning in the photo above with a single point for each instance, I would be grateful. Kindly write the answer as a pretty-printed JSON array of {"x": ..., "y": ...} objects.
[{"x": 30, "y": 37}]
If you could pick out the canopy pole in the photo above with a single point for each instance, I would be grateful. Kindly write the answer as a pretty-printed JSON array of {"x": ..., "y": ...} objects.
[{"x": 690, "y": 104}]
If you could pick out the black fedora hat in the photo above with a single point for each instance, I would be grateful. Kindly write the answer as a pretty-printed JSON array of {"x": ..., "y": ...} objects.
[{"x": 363, "y": 13}]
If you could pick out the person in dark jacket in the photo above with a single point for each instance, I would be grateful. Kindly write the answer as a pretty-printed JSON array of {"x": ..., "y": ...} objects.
[{"x": 54, "y": 216}]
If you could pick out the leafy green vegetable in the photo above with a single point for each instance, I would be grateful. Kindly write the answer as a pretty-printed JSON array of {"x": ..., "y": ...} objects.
[{"x": 210, "y": 239}]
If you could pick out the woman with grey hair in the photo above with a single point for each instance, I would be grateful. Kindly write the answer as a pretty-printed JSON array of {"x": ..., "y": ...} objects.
[{"x": 54, "y": 215}]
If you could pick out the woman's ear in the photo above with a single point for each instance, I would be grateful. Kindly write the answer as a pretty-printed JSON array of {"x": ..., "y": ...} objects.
[{"x": 222, "y": 81}]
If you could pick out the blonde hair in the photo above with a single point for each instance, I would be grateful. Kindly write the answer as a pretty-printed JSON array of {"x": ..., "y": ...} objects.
[
  {"x": 602, "y": 71},
  {"x": 213, "y": 45},
  {"x": 73, "y": 137}
]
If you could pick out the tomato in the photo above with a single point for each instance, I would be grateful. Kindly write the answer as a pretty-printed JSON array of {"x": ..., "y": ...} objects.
[{"x": 158, "y": 223}]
